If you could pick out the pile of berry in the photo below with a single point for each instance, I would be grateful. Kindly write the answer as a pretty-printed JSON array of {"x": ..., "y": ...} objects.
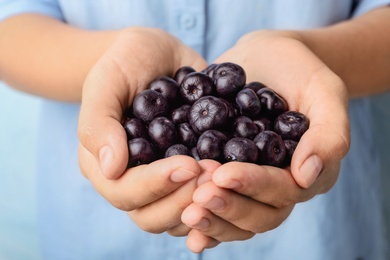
[{"x": 212, "y": 114}]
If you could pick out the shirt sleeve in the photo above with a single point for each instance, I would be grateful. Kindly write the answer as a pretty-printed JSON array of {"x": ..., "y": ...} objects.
[
  {"x": 367, "y": 5},
  {"x": 9, "y": 8}
]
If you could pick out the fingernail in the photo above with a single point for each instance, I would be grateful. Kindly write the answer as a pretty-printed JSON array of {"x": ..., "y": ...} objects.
[
  {"x": 106, "y": 156},
  {"x": 310, "y": 169},
  {"x": 215, "y": 203},
  {"x": 203, "y": 224},
  {"x": 222, "y": 181},
  {"x": 181, "y": 175}
]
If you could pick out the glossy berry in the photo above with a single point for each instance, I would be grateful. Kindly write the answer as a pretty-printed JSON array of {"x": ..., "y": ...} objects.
[
  {"x": 241, "y": 150},
  {"x": 231, "y": 108},
  {"x": 209, "y": 71},
  {"x": 180, "y": 114},
  {"x": 211, "y": 144},
  {"x": 271, "y": 148},
  {"x": 182, "y": 72},
  {"x": 166, "y": 86},
  {"x": 229, "y": 78},
  {"x": 150, "y": 104},
  {"x": 248, "y": 102},
  {"x": 187, "y": 135},
  {"x": 255, "y": 86},
  {"x": 162, "y": 133},
  {"x": 263, "y": 123},
  {"x": 290, "y": 149},
  {"x": 244, "y": 127},
  {"x": 212, "y": 114},
  {"x": 135, "y": 128},
  {"x": 271, "y": 103},
  {"x": 194, "y": 86},
  {"x": 140, "y": 152},
  {"x": 291, "y": 125},
  {"x": 207, "y": 113},
  {"x": 176, "y": 149}
]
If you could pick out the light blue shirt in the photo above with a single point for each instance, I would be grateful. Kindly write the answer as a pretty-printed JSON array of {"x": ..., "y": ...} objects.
[{"x": 77, "y": 223}]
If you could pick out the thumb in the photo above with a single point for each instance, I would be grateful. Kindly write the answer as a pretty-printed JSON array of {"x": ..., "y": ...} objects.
[
  {"x": 322, "y": 147},
  {"x": 100, "y": 130}
]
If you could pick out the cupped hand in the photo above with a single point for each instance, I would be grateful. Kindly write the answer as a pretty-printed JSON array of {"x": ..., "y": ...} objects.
[
  {"x": 285, "y": 64},
  {"x": 240, "y": 199},
  {"x": 138, "y": 56}
]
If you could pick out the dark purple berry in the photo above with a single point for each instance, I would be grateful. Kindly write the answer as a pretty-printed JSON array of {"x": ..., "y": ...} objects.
[
  {"x": 248, "y": 102},
  {"x": 232, "y": 109},
  {"x": 140, "y": 152},
  {"x": 196, "y": 85},
  {"x": 244, "y": 127},
  {"x": 291, "y": 125},
  {"x": 241, "y": 150},
  {"x": 290, "y": 149},
  {"x": 215, "y": 113},
  {"x": 180, "y": 114},
  {"x": 211, "y": 144},
  {"x": 208, "y": 113},
  {"x": 166, "y": 86},
  {"x": 229, "y": 78},
  {"x": 263, "y": 123},
  {"x": 182, "y": 72},
  {"x": 162, "y": 133},
  {"x": 209, "y": 71},
  {"x": 271, "y": 148},
  {"x": 271, "y": 103},
  {"x": 150, "y": 104},
  {"x": 255, "y": 86},
  {"x": 187, "y": 135},
  {"x": 194, "y": 153},
  {"x": 135, "y": 128},
  {"x": 176, "y": 149}
]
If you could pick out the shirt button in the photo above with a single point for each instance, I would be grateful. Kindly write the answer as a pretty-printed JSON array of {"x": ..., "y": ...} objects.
[{"x": 188, "y": 21}]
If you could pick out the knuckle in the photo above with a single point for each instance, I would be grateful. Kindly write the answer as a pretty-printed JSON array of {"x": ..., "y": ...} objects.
[
  {"x": 159, "y": 191},
  {"x": 179, "y": 231},
  {"x": 144, "y": 223},
  {"x": 284, "y": 202},
  {"x": 123, "y": 205},
  {"x": 150, "y": 228}
]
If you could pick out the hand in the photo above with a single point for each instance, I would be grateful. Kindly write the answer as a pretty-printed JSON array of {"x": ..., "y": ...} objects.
[
  {"x": 137, "y": 57},
  {"x": 240, "y": 201},
  {"x": 170, "y": 208}
]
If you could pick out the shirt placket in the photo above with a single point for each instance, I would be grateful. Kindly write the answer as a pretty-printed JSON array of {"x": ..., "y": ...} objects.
[{"x": 189, "y": 22}]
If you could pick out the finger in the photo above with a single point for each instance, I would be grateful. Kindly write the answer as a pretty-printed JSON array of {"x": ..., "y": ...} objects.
[
  {"x": 140, "y": 185},
  {"x": 212, "y": 226},
  {"x": 168, "y": 209},
  {"x": 241, "y": 211},
  {"x": 197, "y": 241},
  {"x": 269, "y": 185},
  {"x": 208, "y": 168},
  {"x": 179, "y": 230}
]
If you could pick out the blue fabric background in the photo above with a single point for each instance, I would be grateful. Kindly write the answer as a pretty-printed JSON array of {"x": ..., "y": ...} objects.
[{"x": 18, "y": 131}]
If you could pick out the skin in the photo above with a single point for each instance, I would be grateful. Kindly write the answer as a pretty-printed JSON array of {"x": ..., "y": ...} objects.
[{"x": 203, "y": 200}]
